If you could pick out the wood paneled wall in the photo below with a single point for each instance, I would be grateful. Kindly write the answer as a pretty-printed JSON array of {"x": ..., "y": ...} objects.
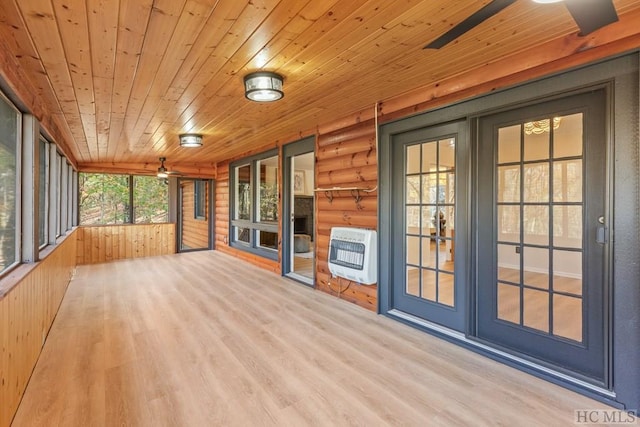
[
  {"x": 26, "y": 314},
  {"x": 105, "y": 243},
  {"x": 222, "y": 224},
  {"x": 195, "y": 232},
  {"x": 346, "y": 158}
]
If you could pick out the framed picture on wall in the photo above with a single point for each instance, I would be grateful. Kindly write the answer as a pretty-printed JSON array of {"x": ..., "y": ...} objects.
[{"x": 299, "y": 182}]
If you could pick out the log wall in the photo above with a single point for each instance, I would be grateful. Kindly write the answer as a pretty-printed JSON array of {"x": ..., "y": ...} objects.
[
  {"x": 195, "y": 232},
  {"x": 346, "y": 158},
  {"x": 104, "y": 243},
  {"x": 27, "y": 311}
]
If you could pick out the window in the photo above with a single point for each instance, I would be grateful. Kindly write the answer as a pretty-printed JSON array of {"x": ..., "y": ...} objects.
[
  {"x": 120, "y": 199},
  {"x": 200, "y": 200},
  {"x": 254, "y": 201},
  {"x": 59, "y": 190},
  {"x": 150, "y": 200},
  {"x": 104, "y": 199},
  {"x": 43, "y": 195},
  {"x": 9, "y": 182}
]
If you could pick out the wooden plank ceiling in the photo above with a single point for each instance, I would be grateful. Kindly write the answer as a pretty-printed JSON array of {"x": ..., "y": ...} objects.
[{"x": 122, "y": 78}]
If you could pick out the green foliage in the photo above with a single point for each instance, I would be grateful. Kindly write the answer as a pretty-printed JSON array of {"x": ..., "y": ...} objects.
[
  {"x": 150, "y": 199},
  {"x": 268, "y": 202},
  {"x": 105, "y": 199}
]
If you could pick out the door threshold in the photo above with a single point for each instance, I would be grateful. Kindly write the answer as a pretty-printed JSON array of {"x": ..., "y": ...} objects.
[
  {"x": 560, "y": 377},
  {"x": 300, "y": 278}
]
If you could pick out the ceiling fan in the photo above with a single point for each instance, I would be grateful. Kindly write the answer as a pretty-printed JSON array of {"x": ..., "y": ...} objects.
[
  {"x": 590, "y": 15},
  {"x": 163, "y": 172}
]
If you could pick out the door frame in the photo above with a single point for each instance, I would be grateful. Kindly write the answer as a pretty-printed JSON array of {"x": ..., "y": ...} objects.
[
  {"x": 302, "y": 146},
  {"x": 454, "y": 316},
  {"x": 211, "y": 220},
  {"x": 622, "y": 74},
  {"x": 483, "y": 156}
]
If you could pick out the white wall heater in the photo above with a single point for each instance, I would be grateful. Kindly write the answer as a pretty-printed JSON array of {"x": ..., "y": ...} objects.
[{"x": 353, "y": 254}]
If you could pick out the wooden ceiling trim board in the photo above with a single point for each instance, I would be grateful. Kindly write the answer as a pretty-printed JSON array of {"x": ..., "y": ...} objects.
[
  {"x": 132, "y": 24},
  {"x": 103, "y": 19},
  {"x": 162, "y": 24},
  {"x": 103, "y": 88},
  {"x": 151, "y": 95},
  {"x": 77, "y": 52},
  {"x": 148, "y": 169},
  {"x": 103, "y": 24}
]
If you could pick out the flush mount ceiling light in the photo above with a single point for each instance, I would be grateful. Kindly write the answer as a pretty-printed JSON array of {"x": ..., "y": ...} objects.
[
  {"x": 263, "y": 86},
  {"x": 190, "y": 140}
]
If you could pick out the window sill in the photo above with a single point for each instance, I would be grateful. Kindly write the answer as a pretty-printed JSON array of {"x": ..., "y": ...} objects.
[{"x": 16, "y": 275}]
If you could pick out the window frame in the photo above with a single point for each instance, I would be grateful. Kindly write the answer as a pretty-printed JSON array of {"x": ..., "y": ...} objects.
[
  {"x": 17, "y": 193},
  {"x": 130, "y": 212},
  {"x": 252, "y": 224},
  {"x": 200, "y": 199},
  {"x": 43, "y": 196}
]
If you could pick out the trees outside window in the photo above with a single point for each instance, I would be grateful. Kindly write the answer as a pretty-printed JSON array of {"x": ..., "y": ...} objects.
[
  {"x": 9, "y": 182},
  {"x": 120, "y": 199}
]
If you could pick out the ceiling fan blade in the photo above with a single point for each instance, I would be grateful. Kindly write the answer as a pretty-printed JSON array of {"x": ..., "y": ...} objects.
[
  {"x": 591, "y": 15},
  {"x": 477, "y": 18}
]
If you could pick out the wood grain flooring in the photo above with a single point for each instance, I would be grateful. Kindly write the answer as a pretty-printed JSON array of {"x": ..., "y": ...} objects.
[{"x": 193, "y": 340}]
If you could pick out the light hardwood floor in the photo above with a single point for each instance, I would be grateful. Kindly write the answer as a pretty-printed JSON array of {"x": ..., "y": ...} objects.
[{"x": 194, "y": 340}]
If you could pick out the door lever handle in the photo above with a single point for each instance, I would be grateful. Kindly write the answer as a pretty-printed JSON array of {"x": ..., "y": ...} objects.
[{"x": 602, "y": 234}]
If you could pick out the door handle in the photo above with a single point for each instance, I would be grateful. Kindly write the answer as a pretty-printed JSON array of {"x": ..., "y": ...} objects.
[{"x": 602, "y": 234}]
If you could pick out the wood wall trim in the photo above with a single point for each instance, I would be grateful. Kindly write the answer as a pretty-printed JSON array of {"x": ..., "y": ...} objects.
[
  {"x": 205, "y": 171},
  {"x": 105, "y": 243},
  {"x": 26, "y": 313}
]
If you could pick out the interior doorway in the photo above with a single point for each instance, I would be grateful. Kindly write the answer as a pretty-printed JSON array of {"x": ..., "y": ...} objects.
[
  {"x": 195, "y": 225},
  {"x": 299, "y": 207}
]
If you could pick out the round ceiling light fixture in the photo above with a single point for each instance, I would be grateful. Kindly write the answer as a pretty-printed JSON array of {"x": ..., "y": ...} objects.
[
  {"x": 190, "y": 140},
  {"x": 263, "y": 86}
]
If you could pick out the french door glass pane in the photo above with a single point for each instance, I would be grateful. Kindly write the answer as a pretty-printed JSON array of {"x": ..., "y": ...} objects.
[
  {"x": 539, "y": 243},
  {"x": 429, "y": 204},
  {"x": 568, "y": 136},
  {"x": 509, "y": 144},
  {"x": 509, "y": 303}
]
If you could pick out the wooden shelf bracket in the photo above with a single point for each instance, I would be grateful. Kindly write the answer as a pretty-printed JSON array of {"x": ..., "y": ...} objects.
[{"x": 356, "y": 193}]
